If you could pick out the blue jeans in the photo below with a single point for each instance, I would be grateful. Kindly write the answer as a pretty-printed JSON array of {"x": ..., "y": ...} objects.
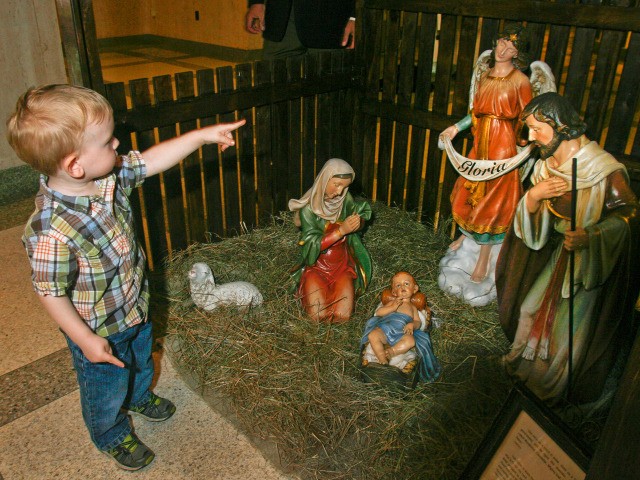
[{"x": 105, "y": 388}]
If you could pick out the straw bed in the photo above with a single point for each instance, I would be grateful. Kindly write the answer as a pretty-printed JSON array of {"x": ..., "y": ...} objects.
[{"x": 297, "y": 384}]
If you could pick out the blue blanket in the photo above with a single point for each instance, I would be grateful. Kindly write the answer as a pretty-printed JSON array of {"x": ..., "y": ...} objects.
[{"x": 392, "y": 325}]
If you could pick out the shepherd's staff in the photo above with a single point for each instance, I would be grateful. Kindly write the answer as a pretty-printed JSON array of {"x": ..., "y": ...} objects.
[{"x": 572, "y": 266}]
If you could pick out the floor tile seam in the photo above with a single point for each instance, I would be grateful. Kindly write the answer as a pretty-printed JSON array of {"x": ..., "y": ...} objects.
[
  {"x": 191, "y": 66},
  {"x": 39, "y": 407},
  {"x": 32, "y": 362},
  {"x": 36, "y": 384},
  {"x": 128, "y": 64},
  {"x": 144, "y": 59},
  {"x": 156, "y": 59},
  {"x": 180, "y": 62}
]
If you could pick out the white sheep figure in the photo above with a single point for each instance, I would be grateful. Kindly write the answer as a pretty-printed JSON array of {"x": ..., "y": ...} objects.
[{"x": 206, "y": 294}]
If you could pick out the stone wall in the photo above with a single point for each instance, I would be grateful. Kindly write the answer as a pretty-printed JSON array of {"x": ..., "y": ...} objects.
[{"x": 30, "y": 54}]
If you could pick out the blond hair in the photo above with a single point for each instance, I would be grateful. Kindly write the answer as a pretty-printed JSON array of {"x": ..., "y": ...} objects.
[{"x": 49, "y": 123}]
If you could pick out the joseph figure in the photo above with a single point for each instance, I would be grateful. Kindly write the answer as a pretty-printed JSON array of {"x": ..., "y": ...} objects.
[{"x": 532, "y": 274}]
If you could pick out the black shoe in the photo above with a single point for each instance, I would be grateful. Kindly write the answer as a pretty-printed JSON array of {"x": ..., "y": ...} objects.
[
  {"x": 131, "y": 454},
  {"x": 156, "y": 409}
]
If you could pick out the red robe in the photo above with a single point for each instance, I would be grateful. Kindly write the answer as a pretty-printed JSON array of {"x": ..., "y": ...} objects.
[{"x": 485, "y": 209}]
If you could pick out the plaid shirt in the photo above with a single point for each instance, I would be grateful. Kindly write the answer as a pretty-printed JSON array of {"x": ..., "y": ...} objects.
[{"x": 85, "y": 247}]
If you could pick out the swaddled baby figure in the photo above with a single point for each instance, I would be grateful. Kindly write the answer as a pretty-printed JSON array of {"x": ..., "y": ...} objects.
[{"x": 398, "y": 331}]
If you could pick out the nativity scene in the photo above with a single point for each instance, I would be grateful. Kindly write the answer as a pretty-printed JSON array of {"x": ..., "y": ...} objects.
[{"x": 387, "y": 242}]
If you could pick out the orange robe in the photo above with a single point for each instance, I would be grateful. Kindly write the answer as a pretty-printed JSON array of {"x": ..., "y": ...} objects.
[{"x": 484, "y": 210}]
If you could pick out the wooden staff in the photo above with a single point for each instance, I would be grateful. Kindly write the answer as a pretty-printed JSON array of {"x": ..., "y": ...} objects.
[{"x": 572, "y": 266}]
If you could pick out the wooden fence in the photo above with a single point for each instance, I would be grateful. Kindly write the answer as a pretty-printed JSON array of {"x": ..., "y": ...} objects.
[
  {"x": 419, "y": 58},
  {"x": 299, "y": 113},
  {"x": 381, "y": 109}
]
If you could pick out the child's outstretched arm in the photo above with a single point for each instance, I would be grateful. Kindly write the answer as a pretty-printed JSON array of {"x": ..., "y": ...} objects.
[
  {"x": 166, "y": 154},
  {"x": 94, "y": 347}
]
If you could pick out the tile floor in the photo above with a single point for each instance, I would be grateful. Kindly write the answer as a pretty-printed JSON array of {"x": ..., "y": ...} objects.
[
  {"x": 147, "y": 62},
  {"x": 42, "y": 435}
]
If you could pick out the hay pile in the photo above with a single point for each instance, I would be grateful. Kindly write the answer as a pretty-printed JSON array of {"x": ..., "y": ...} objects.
[{"x": 297, "y": 384}]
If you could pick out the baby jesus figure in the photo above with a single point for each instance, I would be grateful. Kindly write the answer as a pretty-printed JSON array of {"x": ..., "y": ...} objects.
[{"x": 399, "y": 326}]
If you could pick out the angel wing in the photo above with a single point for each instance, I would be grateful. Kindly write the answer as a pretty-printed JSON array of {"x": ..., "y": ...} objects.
[
  {"x": 542, "y": 79},
  {"x": 482, "y": 65}
]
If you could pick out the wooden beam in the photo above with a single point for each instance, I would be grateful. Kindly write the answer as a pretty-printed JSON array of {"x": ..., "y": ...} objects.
[
  {"x": 79, "y": 44},
  {"x": 408, "y": 115},
  {"x": 148, "y": 117},
  {"x": 578, "y": 15}
]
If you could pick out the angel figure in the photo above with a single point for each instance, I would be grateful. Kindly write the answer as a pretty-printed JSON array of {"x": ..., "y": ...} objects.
[{"x": 485, "y": 197}]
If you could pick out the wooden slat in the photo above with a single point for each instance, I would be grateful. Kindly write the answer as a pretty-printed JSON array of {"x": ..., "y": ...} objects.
[
  {"x": 406, "y": 69},
  {"x": 464, "y": 65},
  {"x": 294, "y": 174},
  {"x": 444, "y": 65},
  {"x": 210, "y": 162},
  {"x": 231, "y": 188},
  {"x": 342, "y": 107},
  {"x": 170, "y": 180},
  {"x": 537, "y": 34},
  {"x": 263, "y": 146},
  {"x": 323, "y": 112},
  {"x": 490, "y": 26},
  {"x": 117, "y": 97},
  {"x": 579, "y": 65},
  {"x": 440, "y": 104},
  {"x": 152, "y": 198},
  {"x": 635, "y": 149},
  {"x": 190, "y": 172},
  {"x": 90, "y": 43},
  {"x": 424, "y": 69},
  {"x": 280, "y": 138},
  {"x": 310, "y": 72},
  {"x": 424, "y": 86},
  {"x": 600, "y": 88},
  {"x": 335, "y": 111},
  {"x": 346, "y": 104},
  {"x": 329, "y": 143},
  {"x": 557, "y": 46},
  {"x": 362, "y": 60},
  {"x": 389, "y": 85},
  {"x": 79, "y": 43},
  {"x": 371, "y": 89},
  {"x": 627, "y": 99},
  {"x": 246, "y": 151}
]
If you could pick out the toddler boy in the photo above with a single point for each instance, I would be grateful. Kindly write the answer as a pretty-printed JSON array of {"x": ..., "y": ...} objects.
[{"x": 88, "y": 269}]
